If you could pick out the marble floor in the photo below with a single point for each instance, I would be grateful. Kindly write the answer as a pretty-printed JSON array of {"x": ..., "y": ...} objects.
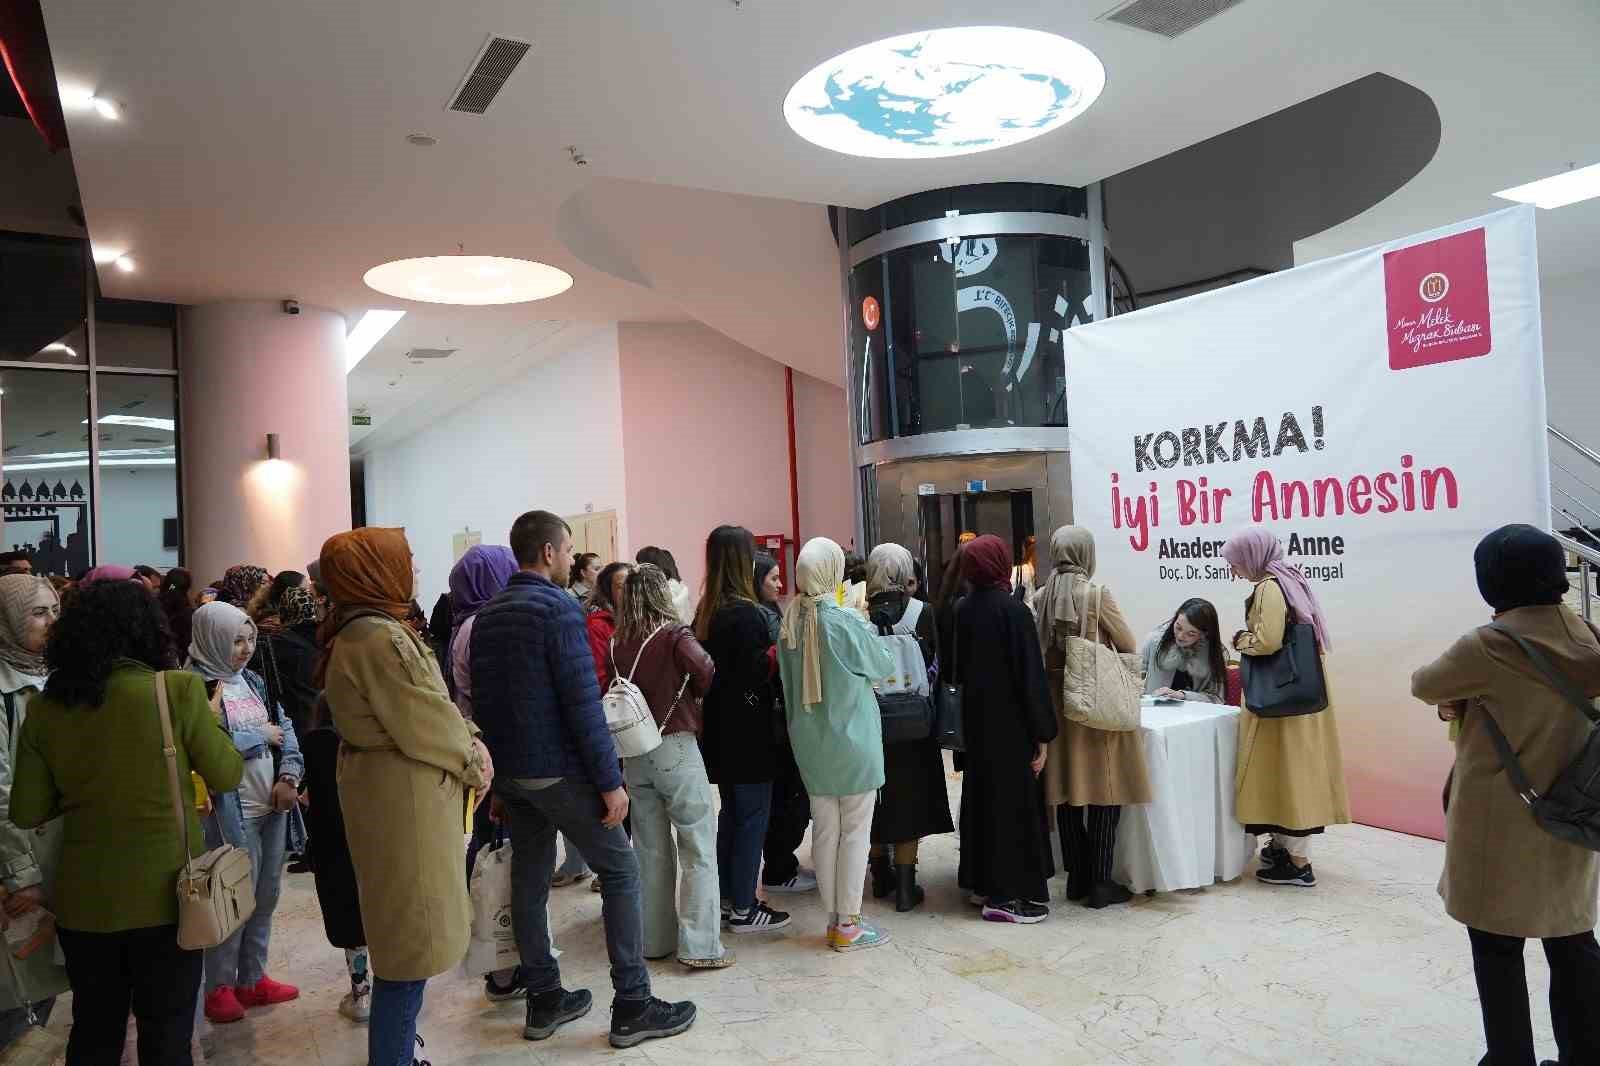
[{"x": 1364, "y": 969}]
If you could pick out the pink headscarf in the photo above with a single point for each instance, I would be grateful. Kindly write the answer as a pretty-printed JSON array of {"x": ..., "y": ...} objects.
[
  {"x": 1257, "y": 555},
  {"x": 107, "y": 572}
]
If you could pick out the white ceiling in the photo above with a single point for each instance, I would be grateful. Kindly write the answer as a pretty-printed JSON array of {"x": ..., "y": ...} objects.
[{"x": 263, "y": 151}]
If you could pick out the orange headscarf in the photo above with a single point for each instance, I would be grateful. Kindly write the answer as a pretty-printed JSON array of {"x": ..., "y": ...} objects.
[
  {"x": 966, "y": 538},
  {"x": 365, "y": 570}
]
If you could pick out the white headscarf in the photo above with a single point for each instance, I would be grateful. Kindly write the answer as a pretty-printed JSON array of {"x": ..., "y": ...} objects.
[
  {"x": 19, "y": 595},
  {"x": 889, "y": 569},
  {"x": 216, "y": 626},
  {"x": 818, "y": 573}
]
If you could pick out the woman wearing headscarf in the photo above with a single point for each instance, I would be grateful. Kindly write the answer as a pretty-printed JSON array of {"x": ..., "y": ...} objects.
[
  {"x": 1290, "y": 779},
  {"x": 829, "y": 661},
  {"x": 478, "y": 577},
  {"x": 286, "y": 649},
  {"x": 241, "y": 583},
  {"x": 1505, "y": 878},
  {"x": 406, "y": 762},
  {"x": 781, "y": 872},
  {"x": 29, "y": 608},
  {"x": 262, "y": 815},
  {"x": 1008, "y": 723},
  {"x": 1091, "y": 773},
  {"x": 913, "y": 803},
  {"x": 107, "y": 572}
]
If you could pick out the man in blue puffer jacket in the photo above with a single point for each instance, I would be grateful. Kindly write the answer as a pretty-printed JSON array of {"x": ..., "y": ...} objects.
[{"x": 537, "y": 702}]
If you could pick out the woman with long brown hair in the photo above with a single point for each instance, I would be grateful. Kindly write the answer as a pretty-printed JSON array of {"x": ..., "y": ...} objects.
[{"x": 739, "y": 742}]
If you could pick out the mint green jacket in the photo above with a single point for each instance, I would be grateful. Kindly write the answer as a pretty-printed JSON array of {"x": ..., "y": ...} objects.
[{"x": 838, "y": 743}]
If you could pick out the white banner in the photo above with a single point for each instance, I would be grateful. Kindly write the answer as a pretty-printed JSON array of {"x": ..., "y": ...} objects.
[{"x": 1380, "y": 411}]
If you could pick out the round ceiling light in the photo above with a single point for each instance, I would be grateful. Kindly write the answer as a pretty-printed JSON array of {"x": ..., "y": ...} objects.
[
  {"x": 468, "y": 279},
  {"x": 944, "y": 92}
]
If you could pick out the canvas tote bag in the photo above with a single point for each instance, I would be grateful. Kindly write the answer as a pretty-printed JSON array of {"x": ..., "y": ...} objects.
[
  {"x": 1100, "y": 688},
  {"x": 216, "y": 892}
]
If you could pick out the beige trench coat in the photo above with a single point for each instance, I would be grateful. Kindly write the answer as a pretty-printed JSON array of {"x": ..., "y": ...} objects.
[
  {"x": 1502, "y": 873},
  {"x": 405, "y": 764},
  {"x": 1291, "y": 770},
  {"x": 1092, "y": 767}
]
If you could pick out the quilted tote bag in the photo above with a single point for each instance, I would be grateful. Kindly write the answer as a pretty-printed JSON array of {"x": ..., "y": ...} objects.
[{"x": 1100, "y": 688}]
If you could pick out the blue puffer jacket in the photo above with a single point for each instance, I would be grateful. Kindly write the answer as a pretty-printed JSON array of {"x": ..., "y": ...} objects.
[{"x": 534, "y": 692}]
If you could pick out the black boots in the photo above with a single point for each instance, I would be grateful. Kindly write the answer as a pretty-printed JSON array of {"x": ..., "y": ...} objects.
[
  {"x": 1106, "y": 894},
  {"x": 907, "y": 893},
  {"x": 882, "y": 876}
]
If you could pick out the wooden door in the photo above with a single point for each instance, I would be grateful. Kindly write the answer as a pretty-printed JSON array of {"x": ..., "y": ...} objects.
[{"x": 597, "y": 533}]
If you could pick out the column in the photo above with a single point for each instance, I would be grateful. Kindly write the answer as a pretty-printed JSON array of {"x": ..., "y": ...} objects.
[{"x": 248, "y": 369}]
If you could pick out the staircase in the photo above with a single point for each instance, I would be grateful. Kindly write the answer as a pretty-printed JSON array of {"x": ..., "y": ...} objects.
[{"x": 1576, "y": 524}]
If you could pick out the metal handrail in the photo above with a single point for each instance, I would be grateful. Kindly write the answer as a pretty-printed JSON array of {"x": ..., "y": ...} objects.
[
  {"x": 1582, "y": 449},
  {"x": 1587, "y": 557},
  {"x": 1592, "y": 488},
  {"x": 1573, "y": 499}
]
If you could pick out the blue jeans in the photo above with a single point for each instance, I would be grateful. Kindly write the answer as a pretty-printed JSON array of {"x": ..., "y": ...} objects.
[
  {"x": 574, "y": 808},
  {"x": 392, "y": 1030},
  {"x": 741, "y": 833},
  {"x": 241, "y": 960}
]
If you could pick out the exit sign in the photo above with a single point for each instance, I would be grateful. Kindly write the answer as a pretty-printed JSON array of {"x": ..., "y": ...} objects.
[
  {"x": 361, "y": 420},
  {"x": 977, "y": 486}
]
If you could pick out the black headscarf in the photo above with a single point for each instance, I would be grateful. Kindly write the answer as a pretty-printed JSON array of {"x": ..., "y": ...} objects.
[{"x": 1520, "y": 566}]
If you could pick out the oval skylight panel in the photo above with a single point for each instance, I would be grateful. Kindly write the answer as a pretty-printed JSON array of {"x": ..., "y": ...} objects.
[
  {"x": 476, "y": 280},
  {"x": 944, "y": 92}
]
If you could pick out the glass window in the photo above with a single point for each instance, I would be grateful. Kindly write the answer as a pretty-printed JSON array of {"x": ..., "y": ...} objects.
[
  {"x": 923, "y": 343},
  {"x": 869, "y": 361},
  {"x": 42, "y": 299},
  {"x": 134, "y": 333},
  {"x": 46, "y": 499},
  {"x": 138, "y": 507}
]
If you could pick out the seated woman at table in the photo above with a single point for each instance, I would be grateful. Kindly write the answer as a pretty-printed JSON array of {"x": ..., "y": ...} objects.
[
  {"x": 1290, "y": 779},
  {"x": 1184, "y": 660},
  {"x": 1091, "y": 774}
]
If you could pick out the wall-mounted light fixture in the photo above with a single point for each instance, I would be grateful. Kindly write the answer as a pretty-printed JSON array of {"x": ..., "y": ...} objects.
[{"x": 273, "y": 451}]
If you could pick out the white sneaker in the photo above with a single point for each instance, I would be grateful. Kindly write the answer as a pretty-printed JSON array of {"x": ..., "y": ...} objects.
[
  {"x": 803, "y": 881},
  {"x": 357, "y": 1004}
]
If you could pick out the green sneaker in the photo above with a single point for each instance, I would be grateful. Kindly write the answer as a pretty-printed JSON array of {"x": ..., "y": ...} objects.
[{"x": 856, "y": 933}]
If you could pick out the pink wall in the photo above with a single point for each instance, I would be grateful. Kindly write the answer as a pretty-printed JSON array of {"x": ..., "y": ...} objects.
[
  {"x": 248, "y": 370},
  {"x": 705, "y": 442}
]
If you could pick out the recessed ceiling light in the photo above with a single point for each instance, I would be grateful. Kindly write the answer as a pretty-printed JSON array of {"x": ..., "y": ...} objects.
[
  {"x": 104, "y": 255},
  {"x": 142, "y": 421},
  {"x": 368, "y": 332},
  {"x": 422, "y": 140},
  {"x": 944, "y": 92},
  {"x": 78, "y": 98},
  {"x": 1559, "y": 190},
  {"x": 107, "y": 109},
  {"x": 60, "y": 349},
  {"x": 468, "y": 279},
  {"x": 125, "y": 264}
]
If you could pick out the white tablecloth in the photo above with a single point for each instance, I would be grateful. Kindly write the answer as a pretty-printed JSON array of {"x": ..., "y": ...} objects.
[{"x": 1188, "y": 837}]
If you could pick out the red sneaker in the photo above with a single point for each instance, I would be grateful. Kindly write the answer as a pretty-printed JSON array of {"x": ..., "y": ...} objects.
[
  {"x": 222, "y": 1006},
  {"x": 267, "y": 992}
]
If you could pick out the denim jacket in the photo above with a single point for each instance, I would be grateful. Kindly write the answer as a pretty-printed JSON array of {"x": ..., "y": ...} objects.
[{"x": 226, "y": 821}]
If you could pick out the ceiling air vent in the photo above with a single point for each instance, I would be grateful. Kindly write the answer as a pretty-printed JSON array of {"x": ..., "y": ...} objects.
[
  {"x": 496, "y": 61},
  {"x": 431, "y": 353},
  {"x": 1169, "y": 18}
]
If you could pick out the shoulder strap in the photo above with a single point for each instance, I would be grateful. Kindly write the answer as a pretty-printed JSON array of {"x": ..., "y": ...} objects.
[
  {"x": 1090, "y": 629},
  {"x": 1508, "y": 758},
  {"x": 11, "y": 714},
  {"x": 637, "y": 657},
  {"x": 170, "y": 751},
  {"x": 1557, "y": 679}
]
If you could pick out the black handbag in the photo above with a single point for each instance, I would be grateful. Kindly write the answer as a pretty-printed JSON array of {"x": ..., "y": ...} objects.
[
  {"x": 1288, "y": 682},
  {"x": 1570, "y": 809},
  {"x": 947, "y": 720},
  {"x": 907, "y": 717}
]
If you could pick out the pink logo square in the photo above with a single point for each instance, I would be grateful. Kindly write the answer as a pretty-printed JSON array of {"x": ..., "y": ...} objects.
[{"x": 1437, "y": 297}]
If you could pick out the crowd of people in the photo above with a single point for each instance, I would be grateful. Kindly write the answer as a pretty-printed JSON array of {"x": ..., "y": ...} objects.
[{"x": 290, "y": 692}]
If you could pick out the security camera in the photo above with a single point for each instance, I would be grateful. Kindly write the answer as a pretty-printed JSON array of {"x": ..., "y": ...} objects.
[{"x": 291, "y": 307}]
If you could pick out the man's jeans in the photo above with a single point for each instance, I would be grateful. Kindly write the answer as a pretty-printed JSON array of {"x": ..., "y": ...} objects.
[
  {"x": 392, "y": 1029},
  {"x": 241, "y": 960},
  {"x": 573, "y": 808},
  {"x": 741, "y": 831},
  {"x": 669, "y": 791}
]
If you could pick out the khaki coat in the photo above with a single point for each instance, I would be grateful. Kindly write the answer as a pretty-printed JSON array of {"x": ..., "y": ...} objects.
[
  {"x": 1502, "y": 873},
  {"x": 406, "y": 761},
  {"x": 1291, "y": 770},
  {"x": 1092, "y": 767}
]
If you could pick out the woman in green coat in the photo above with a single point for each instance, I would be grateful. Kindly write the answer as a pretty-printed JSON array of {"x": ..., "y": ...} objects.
[{"x": 829, "y": 660}]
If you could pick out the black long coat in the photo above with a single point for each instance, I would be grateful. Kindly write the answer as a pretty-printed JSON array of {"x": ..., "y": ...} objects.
[
  {"x": 330, "y": 852},
  {"x": 913, "y": 802},
  {"x": 739, "y": 741},
  {"x": 1005, "y": 852}
]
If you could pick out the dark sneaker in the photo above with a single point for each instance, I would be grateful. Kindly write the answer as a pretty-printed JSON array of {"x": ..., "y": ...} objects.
[
  {"x": 633, "y": 1023},
  {"x": 1017, "y": 911},
  {"x": 1107, "y": 894},
  {"x": 549, "y": 1011},
  {"x": 1287, "y": 873},
  {"x": 496, "y": 992},
  {"x": 1272, "y": 855},
  {"x": 758, "y": 919}
]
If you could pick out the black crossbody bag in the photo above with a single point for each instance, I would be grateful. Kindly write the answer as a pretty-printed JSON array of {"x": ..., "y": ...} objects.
[{"x": 1570, "y": 808}]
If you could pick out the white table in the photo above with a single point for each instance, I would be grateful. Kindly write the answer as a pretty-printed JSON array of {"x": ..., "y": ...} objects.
[{"x": 1188, "y": 836}]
